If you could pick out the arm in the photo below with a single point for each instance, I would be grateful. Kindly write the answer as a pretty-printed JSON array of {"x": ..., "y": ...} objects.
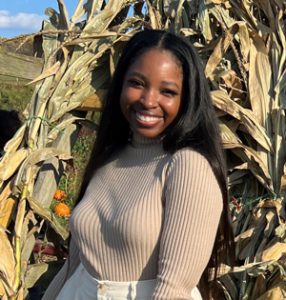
[
  {"x": 193, "y": 205},
  {"x": 66, "y": 272}
]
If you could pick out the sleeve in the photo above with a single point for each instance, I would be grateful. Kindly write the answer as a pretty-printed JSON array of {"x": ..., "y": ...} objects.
[
  {"x": 64, "y": 274},
  {"x": 193, "y": 205}
]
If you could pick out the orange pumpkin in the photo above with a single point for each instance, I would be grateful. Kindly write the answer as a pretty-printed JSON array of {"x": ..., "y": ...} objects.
[
  {"x": 62, "y": 210},
  {"x": 59, "y": 195}
]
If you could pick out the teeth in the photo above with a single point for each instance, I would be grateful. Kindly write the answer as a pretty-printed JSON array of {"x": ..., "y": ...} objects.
[{"x": 145, "y": 118}]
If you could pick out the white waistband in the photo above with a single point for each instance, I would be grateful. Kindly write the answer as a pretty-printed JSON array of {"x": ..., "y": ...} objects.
[
  {"x": 114, "y": 285},
  {"x": 81, "y": 285}
]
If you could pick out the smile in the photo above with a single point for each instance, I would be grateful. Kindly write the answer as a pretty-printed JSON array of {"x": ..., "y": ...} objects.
[{"x": 147, "y": 119}]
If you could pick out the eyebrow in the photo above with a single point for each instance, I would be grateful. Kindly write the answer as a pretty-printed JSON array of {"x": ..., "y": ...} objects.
[
  {"x": 144, "y": 78},
  {"x": 171, "y": 83}
]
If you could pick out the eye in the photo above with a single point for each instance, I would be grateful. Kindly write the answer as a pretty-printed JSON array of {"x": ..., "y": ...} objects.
[
  {"x": 169, "y": 92},
  {"x": 135, "y": 82}
]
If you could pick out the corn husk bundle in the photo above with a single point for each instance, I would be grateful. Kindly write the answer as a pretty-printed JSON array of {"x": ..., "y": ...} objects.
[
  {"x": 77, "y": 55},
  {"x": 242, "y": 44}
]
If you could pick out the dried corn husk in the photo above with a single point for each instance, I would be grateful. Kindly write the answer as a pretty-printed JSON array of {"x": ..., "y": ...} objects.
[{"x": 243, "y": 47}]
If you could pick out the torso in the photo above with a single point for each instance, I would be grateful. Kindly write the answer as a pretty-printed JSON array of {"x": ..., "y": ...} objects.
[{"x": 118, "y": 223}]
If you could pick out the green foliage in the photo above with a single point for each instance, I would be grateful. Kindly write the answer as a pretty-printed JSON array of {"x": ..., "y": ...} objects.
[
  {"x": 15, "y": 96},
  {"x": 71, "y": 180},
  {"x": 81, "y": 147}
]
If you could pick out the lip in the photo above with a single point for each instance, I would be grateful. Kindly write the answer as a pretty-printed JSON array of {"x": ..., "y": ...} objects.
[{"x": 147, "y": 119}]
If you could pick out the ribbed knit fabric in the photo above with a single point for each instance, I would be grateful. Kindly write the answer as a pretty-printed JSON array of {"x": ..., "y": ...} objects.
[{"x": 147, "y": 214}]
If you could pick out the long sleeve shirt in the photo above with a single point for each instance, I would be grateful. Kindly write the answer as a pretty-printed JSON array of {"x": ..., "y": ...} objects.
[{"x": 146, "y": 214}]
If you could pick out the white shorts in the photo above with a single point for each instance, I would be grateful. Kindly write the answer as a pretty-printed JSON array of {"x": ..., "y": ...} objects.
[{"x": 82, "y": 286}]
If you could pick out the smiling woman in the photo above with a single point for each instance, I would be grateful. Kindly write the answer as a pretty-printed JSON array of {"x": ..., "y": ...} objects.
[
  {"x": 153, "y": 219},
  {"x": 151, "y": 93}
]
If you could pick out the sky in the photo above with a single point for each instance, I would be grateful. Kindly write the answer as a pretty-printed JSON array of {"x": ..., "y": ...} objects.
[{"x": 25, "y": 16}]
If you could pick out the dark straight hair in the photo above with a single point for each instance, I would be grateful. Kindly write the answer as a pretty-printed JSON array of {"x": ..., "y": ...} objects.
[{"x": 195, "y": 126}]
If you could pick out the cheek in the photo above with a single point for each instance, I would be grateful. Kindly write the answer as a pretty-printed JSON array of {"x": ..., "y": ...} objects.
[
  {"x": 126, "y": 103},
  {"x": 129, "y": 97},
  {"x": 172, "y": 109}
]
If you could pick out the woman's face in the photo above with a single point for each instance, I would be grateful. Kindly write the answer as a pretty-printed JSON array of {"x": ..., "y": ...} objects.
[{"x": 151, "y": 92}]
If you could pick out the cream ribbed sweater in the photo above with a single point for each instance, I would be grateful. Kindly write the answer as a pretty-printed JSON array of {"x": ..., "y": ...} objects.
[{"x": 147, "y": 214}]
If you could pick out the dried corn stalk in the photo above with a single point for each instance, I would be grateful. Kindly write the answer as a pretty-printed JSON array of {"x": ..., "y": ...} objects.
[
  {"x": 76, "y": 53},
  {"x": 242, "y": 44}
]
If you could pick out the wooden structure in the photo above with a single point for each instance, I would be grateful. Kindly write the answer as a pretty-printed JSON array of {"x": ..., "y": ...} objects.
[{"x": 18, "y": 68}]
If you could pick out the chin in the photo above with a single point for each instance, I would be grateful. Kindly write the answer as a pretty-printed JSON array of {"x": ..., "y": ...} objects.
[{"x": 147, "y": 135}]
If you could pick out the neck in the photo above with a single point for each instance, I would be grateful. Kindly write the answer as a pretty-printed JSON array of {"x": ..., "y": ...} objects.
[{"x": 139, "y": 140}]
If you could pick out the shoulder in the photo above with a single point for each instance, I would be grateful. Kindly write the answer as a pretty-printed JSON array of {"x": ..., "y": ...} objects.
[
  {"x": 190, "y": 165},
  {"x": 188, "y": 157},
  {"x": 191, "y": 176}
]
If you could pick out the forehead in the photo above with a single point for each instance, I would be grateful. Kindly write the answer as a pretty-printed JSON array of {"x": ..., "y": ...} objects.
[{"x": 156, "y": 59}]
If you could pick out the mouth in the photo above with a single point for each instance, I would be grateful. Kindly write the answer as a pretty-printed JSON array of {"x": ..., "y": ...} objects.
[{"x": 147, "y": 120}]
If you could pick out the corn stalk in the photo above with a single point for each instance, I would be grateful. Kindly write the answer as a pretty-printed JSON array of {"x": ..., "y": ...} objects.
[{"x": 242, "y": 45}]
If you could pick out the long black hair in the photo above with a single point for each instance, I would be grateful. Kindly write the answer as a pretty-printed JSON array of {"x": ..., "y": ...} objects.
[{"x": 195, "y": 126}]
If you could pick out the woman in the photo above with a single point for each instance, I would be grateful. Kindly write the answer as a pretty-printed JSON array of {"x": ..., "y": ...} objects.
[{"x": 153, "y": 217}]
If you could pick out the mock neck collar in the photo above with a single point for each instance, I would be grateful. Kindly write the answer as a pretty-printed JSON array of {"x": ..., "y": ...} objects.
[{"x": 138, "y": 140}]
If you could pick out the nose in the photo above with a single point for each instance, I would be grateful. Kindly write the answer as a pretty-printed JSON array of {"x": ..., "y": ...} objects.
[{"x": 149, "y": 99}]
